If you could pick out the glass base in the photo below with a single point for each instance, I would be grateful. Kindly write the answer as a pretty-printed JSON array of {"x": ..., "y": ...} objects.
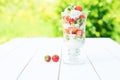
[{"x": 74, "y": 60}]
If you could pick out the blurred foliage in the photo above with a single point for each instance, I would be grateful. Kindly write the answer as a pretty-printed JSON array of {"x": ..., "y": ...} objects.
[
  {"x": 34, "y": 18},
  {"x": 103, "y": 19}
]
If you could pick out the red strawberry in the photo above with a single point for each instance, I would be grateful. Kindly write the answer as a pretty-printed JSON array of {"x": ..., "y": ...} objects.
[
  {"x": 82, "y": 16},
  {"x": 55, "y": 58},
  {"x": 79, "y": 8},
  {"x": 47, "y": 58},
  {"x": 67, "y": 18},
  {"x": 72, "y": 30},
  {"x": 70, "y": 20},
  {"x": 79, "y": 33}
]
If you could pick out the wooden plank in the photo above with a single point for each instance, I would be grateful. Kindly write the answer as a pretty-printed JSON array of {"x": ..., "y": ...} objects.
[
  {"x": 106, "y": 65},
  {"x": 113, "y": 48},
  {"x": 8, "y": 47},
  {"x": 38, "y": 69},
  {"x": 12, "y": 65}
]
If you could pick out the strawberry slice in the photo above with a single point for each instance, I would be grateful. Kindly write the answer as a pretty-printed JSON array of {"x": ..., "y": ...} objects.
[
  {"x": 79, "y": 8},
  {"x": 79, "y": 33},
  {"x": 66, "y": 31},
  {"x": 82, "y": 16},
  {"x": 70, "y": 30},
  {"x": 69, "y": 20},
  {"x": 73, "y": 30}
]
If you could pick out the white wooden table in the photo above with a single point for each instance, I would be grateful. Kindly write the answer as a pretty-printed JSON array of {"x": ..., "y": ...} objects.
[{"x": 23, "y": 59}]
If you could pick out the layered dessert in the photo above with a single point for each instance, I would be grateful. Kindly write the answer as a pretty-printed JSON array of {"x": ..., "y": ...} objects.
[{"x": 74, "y": 20}]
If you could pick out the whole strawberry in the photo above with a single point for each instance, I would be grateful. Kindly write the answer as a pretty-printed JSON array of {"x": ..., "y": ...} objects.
[
  {"x": 55, "y": 58},
  {"x": 47, "y": 58},
  {"x": 79, "y": 8}
]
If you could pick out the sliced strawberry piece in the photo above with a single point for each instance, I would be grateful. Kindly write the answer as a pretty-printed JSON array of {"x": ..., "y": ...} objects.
[
  {"x": 82, "y": 16},
  {"x": 79, "y": 33},
  {"x": 66, "y": 31},
  {"x": 69, "y": 20},
  {"x": 79, "y": 8},
  {"x": 72, "y": 30}
]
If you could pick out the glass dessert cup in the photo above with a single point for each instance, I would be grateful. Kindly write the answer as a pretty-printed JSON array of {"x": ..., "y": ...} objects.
[{"x": 74, "y": 39}]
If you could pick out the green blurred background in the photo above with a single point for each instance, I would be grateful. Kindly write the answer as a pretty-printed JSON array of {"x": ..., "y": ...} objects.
[{"x": 41, "y": 18}]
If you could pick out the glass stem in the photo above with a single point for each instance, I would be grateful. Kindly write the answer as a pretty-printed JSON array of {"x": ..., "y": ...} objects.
[{"x": 73, "y": 54}]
